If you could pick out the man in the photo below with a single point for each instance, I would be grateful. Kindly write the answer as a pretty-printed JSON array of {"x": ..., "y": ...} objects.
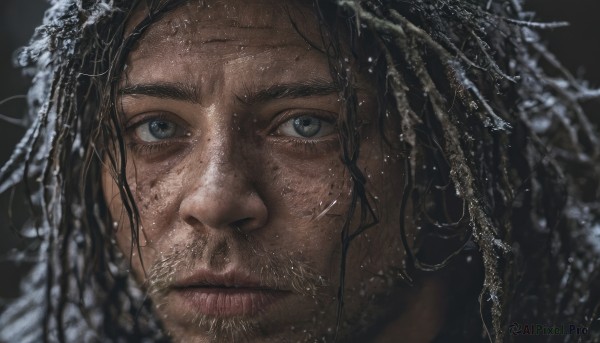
[{"x": 282, "y": 171}]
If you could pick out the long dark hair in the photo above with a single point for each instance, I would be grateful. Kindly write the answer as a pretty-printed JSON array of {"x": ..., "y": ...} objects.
[{"x": 501, "y": 164}]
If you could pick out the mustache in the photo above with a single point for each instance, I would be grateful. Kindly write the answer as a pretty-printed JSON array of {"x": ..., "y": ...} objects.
[{"x": 275, "y": 270}]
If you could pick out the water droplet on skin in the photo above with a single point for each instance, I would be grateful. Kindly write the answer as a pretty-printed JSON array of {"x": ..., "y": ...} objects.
[{"x": 174, "y": 29}]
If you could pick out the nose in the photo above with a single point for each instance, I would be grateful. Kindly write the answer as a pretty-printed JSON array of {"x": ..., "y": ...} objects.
[{"x": 223, "y": 197}]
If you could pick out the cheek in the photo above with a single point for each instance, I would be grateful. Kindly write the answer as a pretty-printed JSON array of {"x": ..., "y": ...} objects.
[
  {"x": 308, "y": 190},
  {"x": 307, "y": 203},
  {"x": 156, "y": 197},
  {"x": 379, "y": 248},
  {"x": 154, "y": 191},
  {"x": 310, "y": 202}
]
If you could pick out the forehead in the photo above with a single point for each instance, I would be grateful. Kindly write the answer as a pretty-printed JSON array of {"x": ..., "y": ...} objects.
[
  {"x": 239, "y": 24},
  {"x": 201, "y": 39}
]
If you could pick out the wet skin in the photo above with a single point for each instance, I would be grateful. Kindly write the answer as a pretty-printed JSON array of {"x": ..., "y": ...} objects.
[{"x": 233, "y": 153}]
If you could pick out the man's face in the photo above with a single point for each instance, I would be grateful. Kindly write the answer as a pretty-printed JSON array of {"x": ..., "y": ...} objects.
[{"x": 235, "y": 166}]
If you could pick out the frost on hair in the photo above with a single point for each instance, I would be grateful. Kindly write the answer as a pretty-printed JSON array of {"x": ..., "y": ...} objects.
[{"x": 489, "y": 119}]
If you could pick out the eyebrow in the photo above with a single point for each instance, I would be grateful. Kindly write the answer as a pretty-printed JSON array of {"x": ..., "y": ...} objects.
[
  {"x": 189, "y": 93},
  {"x": 164, "y": 90},
  {"x": 314, "y": 87}
]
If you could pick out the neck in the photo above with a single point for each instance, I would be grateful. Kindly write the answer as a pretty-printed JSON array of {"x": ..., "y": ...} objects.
[{"x": 423, "y": 318}]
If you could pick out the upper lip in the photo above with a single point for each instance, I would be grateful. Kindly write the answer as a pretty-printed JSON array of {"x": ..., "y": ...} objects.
[{"x": 229, "y": 279}]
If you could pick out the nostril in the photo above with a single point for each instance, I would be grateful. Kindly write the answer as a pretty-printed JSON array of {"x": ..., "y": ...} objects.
[
  {"x": 192, "y": 221},
  {"x": 247, "y": 224}
]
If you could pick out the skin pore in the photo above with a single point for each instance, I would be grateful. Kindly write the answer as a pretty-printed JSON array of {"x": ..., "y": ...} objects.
[{"x": 234, "y": 162}]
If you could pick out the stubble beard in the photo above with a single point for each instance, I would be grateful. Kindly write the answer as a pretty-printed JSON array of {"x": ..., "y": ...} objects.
[
  {"x": 366, "y": 305},
  {"x": 278, "y": 270}
]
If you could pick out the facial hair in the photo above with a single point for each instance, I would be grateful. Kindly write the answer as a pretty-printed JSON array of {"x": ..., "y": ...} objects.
[{"x": 275, "y": 270}]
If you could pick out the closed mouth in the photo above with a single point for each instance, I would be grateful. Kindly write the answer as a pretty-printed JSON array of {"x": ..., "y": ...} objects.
[
  {"x": 225, "y": 295},
  {"x": 228, "y": 301}
]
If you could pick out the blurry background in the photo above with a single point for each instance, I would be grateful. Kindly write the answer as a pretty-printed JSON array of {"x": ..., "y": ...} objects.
[
  {"x": 577, "y": 46},
  {"x": 18, "y": 18}
]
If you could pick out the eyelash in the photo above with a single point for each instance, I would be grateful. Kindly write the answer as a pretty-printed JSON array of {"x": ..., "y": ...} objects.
[
  {"x": 306, "y": 146},
  {"x": 313, "y": 146},
  {"x": 148, "y": 148},
  {"x": 145, "y": 118}
]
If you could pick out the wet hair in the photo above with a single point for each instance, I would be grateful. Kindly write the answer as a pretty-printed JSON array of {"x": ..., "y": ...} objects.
[{"x": 500, "y": 178}]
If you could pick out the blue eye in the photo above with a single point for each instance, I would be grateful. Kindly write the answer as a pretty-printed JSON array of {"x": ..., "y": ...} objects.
[
  {"x": 306, "y": 126},
  {"x": 155, "y": 130}
]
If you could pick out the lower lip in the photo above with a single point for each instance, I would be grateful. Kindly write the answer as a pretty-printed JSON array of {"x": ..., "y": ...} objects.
[{"x": 228, "y": 302}]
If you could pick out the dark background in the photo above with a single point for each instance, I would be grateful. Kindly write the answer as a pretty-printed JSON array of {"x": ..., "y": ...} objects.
[{"x": 577, "y": 46}]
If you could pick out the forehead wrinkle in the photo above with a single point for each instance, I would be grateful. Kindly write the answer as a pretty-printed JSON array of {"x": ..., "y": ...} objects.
[
  {"x": 222, "y": 22},
  {"x": 229, "y": 47},
  {"x": 234, "y": 23}
]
